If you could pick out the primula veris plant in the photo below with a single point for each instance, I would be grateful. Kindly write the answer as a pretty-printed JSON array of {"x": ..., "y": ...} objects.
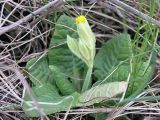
[
  {"x": 84, "y": 47},
  {"x": 56, "y": 77}
]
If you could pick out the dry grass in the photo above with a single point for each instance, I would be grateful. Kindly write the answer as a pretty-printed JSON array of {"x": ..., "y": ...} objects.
[{"x": 22, "y": 40}]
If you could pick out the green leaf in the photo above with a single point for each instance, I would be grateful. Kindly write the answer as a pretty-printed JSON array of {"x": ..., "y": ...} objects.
[
  {"x": 120, "y": 74},
  {"x": 39, "y": 72},
  {"x": 73, "y": 45},
  {"x": 112, "y": 54},
  {"x": 63, "y": 84},
  {"x": 141, "y": 78},
  {"x": 64, "y": 26},
  {"x": 49, "y": 100},
  {"x": 61, "y": 56},
  {"x": 102, "y": 92}
]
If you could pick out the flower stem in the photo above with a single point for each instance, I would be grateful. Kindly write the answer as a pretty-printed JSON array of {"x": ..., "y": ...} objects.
[{"x": 87, "y": 80}]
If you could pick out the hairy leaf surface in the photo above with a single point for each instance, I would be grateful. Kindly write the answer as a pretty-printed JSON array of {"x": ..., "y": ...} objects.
[
  {"x": 48, "y": 100},
  {"x": 39, "y": 72},
  {"x": 63, "y": 84},
  {"x": 102, "y": 92},
  {"x": 111, "y": 55},
  {"x": 60, "y": 56}
]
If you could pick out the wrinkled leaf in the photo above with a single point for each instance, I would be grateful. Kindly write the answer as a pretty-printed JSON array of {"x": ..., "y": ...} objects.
[
  {"x": 61, "y": 56},
  {"x": 115, "y": 51},
  {"x": 39, "y": 72},
  {"x": 63, "y": 84},
  {"x": 49, "y": 100},
  {"x": 102, "y": 92}
]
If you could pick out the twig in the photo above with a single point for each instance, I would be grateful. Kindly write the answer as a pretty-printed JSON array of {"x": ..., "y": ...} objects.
[
  {"x": 136, "y": 12},
  {"x": 44, "y": 9}
]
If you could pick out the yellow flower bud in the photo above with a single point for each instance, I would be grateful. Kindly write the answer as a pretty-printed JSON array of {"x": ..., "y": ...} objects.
[{"x": 80, "y": 19}]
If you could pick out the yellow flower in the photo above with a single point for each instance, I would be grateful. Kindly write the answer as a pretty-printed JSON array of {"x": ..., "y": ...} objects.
[
  {"x": 80, "y": 19},
  {"x": 84, "y": 47}
]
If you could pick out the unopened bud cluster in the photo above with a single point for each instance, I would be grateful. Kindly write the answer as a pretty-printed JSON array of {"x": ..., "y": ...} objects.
[{"x": 84, "y": 47}]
